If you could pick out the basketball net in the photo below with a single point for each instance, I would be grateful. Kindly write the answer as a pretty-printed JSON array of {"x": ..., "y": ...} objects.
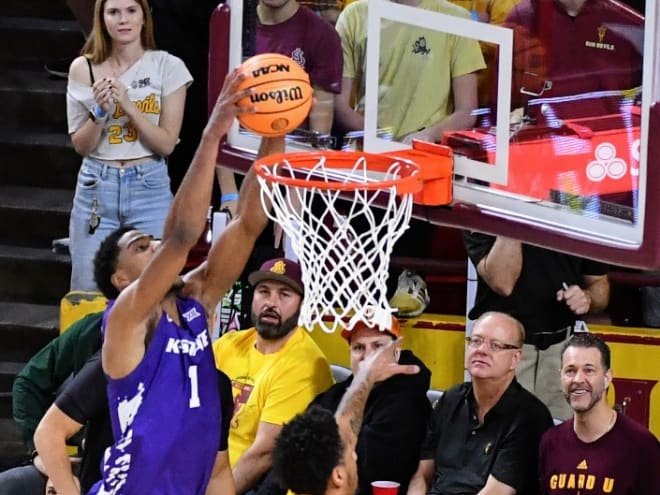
[{"x": 342, "y": 226}]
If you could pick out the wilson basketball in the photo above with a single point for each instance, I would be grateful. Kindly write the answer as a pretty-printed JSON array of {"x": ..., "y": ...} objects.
[{"x": 281, "y": 94}]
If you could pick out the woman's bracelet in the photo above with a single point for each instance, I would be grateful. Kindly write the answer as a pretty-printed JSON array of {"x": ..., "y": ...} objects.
[
  {"x": 98, "y": 115},
  {"x": 229, "y": 197}
]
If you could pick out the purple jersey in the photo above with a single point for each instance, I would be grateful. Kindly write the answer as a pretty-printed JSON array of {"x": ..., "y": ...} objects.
[
  {"x": 165, "y": 413},
  {"x": 309, "y": 40},
  {"x": 624, "y": 461}
]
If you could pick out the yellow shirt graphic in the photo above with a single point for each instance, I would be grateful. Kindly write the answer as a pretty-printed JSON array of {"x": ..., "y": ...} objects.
[{"x": 269, "y": 387}]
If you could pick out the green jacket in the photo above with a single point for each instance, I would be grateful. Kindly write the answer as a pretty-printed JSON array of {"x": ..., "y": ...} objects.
[{"x": 35, "y": 386}]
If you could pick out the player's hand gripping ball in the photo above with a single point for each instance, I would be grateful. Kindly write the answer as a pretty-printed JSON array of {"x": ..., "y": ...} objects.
[{"x": 281, "y": 94}]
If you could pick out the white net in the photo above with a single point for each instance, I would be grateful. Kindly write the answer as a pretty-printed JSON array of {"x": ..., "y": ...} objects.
[{"x": 343, "y": 239}]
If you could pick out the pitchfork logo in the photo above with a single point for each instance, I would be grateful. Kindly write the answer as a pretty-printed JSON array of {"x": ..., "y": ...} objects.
[{"x": 606, "y": 164}]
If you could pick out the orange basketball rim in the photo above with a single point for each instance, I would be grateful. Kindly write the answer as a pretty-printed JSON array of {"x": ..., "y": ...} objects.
[{"x": 425, "y": 171}]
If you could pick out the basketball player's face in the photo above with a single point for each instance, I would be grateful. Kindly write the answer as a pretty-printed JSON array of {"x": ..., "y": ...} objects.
[
  {"x": 584, "y": 381},
  {"x": 275, "y": 308},
  {"x": 136, "y": 251}
]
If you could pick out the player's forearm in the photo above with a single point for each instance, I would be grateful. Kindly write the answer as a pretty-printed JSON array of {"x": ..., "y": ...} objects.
[{"x": 187, "y": 217}]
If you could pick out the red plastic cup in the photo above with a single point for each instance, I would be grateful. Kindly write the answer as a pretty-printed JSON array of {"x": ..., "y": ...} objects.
[{"x": 385, "y": 487}]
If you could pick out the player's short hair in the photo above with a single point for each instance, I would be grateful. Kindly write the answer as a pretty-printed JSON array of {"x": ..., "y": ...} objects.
[
  {"x": 105, "y": 262},
  {"x": 306, "y": 451},
  {"x": 586, "y": 339}
]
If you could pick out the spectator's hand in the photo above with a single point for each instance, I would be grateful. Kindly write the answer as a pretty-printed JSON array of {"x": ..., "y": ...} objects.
[
  {"x": 226, "y": 107},
  {"x": 103, "y": 94},
  {"x": 119, "y": 93},
  {"x": 383, "y": 364},
  {"x": 423, "y": 135},
  {"x": 575, "y": 298}
]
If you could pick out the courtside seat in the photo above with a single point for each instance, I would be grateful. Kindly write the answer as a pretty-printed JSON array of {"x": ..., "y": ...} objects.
[
  {"x": 434, "y": 396},
  {"x": 340, "y": 373},
  {"x": 76, "y": 304}
]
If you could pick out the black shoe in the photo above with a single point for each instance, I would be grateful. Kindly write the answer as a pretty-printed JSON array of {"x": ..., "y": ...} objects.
[{"x": 59, "y": 67}]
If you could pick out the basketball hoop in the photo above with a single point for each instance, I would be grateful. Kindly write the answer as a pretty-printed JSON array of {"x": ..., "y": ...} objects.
[{"x": 326, "y": 202}]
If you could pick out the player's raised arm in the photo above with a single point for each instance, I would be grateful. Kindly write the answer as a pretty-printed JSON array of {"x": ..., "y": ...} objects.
[
  {"x": 129, "y": 318},
  {"x": 231, "y": 251}
]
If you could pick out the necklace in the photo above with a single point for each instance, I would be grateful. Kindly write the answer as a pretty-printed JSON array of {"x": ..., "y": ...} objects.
[
  {"x": 611, "y": 424},
  {"x": 117, "y": 70},
  {"x": 593, "y": 438}
]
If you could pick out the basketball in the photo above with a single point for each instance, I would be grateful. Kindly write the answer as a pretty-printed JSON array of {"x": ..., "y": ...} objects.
[{"x": 281, "y": 94}]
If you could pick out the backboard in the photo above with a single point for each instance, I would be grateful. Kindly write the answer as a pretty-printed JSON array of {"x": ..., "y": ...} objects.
[{"x": 551, "y": 175}]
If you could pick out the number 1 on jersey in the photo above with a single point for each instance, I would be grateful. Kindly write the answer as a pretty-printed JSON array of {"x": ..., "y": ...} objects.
[{"x": 194, "y": 387}]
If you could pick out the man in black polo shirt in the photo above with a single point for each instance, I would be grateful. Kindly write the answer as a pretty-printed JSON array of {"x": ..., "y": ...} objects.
[
  {"x": 484, "y": 435},
  {"x": 546, "y": 291}
]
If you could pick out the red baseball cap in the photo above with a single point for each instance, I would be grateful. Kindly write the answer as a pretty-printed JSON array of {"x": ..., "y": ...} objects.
[{"x": 394, "y": 331}]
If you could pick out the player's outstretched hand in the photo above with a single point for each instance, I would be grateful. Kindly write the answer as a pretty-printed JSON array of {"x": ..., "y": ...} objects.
[
  {"x": 226, "y": 106},
  {"x": 383, "y": 364}
]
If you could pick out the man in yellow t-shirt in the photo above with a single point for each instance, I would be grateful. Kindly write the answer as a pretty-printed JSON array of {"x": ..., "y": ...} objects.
[
  {"x": 275, "y": 367},
  {"x": 427, "y": 78}
]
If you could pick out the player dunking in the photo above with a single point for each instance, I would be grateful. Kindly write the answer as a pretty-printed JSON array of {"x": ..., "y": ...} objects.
[{"x": 162, "y": 381}]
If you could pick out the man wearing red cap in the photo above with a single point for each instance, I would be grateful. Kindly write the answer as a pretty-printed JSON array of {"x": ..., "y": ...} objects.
[
  {"x": 316, "y": 453},
  {"x": 395, "y": 415},
  {"x": 275, "y": 367},
  {"x": 393, "y": 424}
]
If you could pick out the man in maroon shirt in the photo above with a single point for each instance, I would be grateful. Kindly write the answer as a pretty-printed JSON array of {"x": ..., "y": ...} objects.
[
  {"x": 598, "y": 451},
  {"x": 575, "y": 58}
]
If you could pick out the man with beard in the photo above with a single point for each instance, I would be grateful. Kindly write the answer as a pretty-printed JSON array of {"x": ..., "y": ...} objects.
[
  {"x": 275, "y": 367},
  {"x": 484, "y": 435},
  {"x": 599, "y": 451}
]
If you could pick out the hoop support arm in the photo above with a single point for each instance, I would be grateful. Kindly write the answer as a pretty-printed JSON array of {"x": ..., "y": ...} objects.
[{"x": 436, "y": 165}]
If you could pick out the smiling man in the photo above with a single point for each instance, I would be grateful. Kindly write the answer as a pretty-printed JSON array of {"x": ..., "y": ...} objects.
[
  {"x": 599, "y": 451},
  {"x": 276, "y": 369},
  {"x": 484, "y": 435}
]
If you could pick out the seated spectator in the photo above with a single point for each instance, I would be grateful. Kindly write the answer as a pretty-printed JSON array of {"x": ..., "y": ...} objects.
[
  {"x": 440, "y": 97},
  {"x": 275, "y": 367},
  {"x": 315, "y": 452},
  {"x": 395, "y": 415},
  {"x": 547, "y": 292},
  {"x": 600, "y": 36},
  {"x": 491, "y": 12},
  {"x": 34, "y": 389},
  {"x": 598, "y": 451},
  {"x": 84, "y": 402},
  {"x": 484, "y": 435}
]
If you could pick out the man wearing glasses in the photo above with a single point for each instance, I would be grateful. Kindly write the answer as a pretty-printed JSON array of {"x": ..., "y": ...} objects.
[{"x": 484, "y": 435}]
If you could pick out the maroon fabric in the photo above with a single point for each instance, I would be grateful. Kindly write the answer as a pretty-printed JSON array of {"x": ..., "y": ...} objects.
[
  {"x": 624, "y": 461},
  {"x": 309, "y": 40},
  {"x": 598, "y": 50}
]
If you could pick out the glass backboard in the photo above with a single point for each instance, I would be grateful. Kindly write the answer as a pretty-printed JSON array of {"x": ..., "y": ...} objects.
[{"x": 558, "y": 150}]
